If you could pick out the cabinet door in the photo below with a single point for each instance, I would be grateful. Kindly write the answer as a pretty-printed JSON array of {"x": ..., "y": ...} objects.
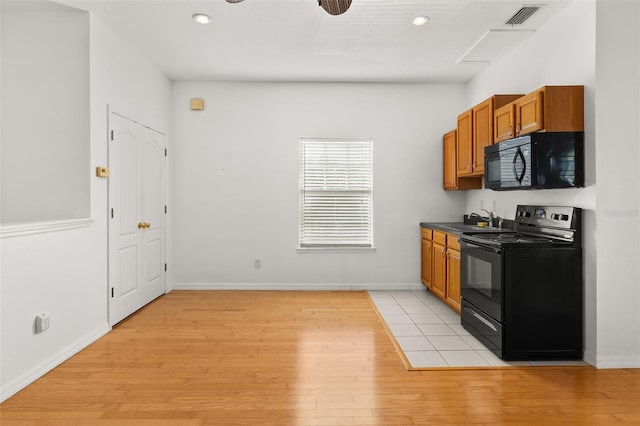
[
  {"x": 439, "y": 270},
  {"x": 464, "y": 143},
  {"x": 453, "y": 279},
  {"x": 426, "y": 269},
  {"x": 482, "y": 133},
  {"x": 503, "y": 123},
  {"x": 529, "y": 113},
  {"x": 449, "y": 174}
]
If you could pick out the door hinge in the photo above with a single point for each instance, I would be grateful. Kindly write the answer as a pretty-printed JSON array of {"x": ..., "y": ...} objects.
[
  {"x": 112, "y": 135},
  {"x": 111, "y": 213},
  {"x": 165, "y": 267},
  {"x": 112, "y": 293},
  {"x": 165, "y": 209}
]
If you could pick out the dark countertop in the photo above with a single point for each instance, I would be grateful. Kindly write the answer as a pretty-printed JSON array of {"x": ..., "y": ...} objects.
[{"x": 455, "y": 228}]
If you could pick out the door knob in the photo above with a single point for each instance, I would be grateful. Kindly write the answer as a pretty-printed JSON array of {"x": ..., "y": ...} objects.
[
  {"x": 141, "y": 225},
  {"x": 147, "y": 225}
]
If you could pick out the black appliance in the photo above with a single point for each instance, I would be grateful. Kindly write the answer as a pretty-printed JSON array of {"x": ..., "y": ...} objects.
[
  {"x": 522, "y": 288},
  {"x": 536, "y": 161}
]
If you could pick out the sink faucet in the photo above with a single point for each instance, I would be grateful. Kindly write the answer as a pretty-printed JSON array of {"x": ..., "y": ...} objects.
[{"x": 491, "y": 216}]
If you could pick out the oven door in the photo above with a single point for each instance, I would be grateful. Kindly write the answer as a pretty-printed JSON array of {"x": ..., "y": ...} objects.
[{"x": 481, "y": 278}]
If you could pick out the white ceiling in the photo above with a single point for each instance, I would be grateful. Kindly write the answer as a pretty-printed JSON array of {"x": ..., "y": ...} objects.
[{"x": 296, "y": 40}]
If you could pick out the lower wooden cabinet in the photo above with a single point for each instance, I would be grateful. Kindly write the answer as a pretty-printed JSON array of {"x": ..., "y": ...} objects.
[
  {"x": 427, "y": 254},
  {"x": 440, "y": 266},
  {"x": 453, "y": 279}
]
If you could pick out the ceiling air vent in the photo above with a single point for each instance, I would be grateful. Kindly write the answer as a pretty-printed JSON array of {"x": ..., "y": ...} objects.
[{"x": 522, "y": 15}]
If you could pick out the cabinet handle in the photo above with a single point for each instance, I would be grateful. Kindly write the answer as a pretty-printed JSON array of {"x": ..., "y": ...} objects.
[{"x": 510, "y": 130}]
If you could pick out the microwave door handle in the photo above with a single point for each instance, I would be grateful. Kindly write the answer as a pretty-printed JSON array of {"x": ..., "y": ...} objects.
[{"x": 519, "y": 177}]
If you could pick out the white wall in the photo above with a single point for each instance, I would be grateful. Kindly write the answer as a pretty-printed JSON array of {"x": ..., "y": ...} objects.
[
  {"x": 564, "y": 52},
  {"x": 64, "y": 273},
  {"x": 235, "y": 182},
  {"x": 618, "y": 201},
  {"x": 45, "y": 113}
]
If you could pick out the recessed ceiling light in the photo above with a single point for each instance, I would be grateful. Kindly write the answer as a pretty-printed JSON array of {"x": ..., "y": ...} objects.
[
  {"x": 201, "y": 18},
  {"x": 420, "y": 20}
]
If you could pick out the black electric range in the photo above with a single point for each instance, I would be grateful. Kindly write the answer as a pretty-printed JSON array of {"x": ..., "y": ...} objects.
[{"x": 522, "y": 288}]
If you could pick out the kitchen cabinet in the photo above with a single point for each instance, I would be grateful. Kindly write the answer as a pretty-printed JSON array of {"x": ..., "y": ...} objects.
[
  {"x": 464, "y": 144},
  {"x": 450, "y": 179},
  {"x": 453, "y": 273},
  {"x": 549, "y": 109},
  {"x": 440, "y": 266},
  {"x": 475, "y": 132},
  {"x": 427, "y": 254}
]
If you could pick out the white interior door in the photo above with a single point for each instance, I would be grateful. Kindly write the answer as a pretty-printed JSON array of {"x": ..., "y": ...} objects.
[{"x": 136, "y": 216}]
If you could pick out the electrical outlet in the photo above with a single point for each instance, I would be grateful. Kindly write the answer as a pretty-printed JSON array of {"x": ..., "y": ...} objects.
[
  {"x": 494, "y": 205},
  {"x": 42, "y": 322},
  {"x": 257, "y": 263}
]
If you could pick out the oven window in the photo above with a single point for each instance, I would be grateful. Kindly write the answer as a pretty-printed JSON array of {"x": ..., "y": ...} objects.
[{"x": 480, "y": 275}]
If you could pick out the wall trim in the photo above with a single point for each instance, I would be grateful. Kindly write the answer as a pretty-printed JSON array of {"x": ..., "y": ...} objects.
[
  {"x": 589, "y": 358},
  {"x": 618, "y": 362},
  {"x": 40, "y": 370},
  {"x": 21, "y": 229},
  {"x": 297, "y": 286}
]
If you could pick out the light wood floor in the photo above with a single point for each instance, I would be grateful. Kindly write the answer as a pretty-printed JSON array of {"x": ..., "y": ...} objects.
[{"x": 297, "y": 358}]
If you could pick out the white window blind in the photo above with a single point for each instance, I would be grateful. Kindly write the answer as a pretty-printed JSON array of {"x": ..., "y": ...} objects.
[{"x": 336, "y": 193}]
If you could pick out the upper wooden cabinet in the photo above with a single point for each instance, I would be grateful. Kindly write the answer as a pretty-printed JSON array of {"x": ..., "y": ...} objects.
[
  {"x": 549, "y": 109},
  {"x": 475, "y": 132},
  {"x": 449, "y": 175},
  {"x": 450, "y": 179},
  {"x": 465, "y": 144}
]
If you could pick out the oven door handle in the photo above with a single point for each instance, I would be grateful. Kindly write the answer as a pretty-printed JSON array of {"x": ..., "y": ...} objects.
[
  {"x": 481, "y": 319},
  {"x": 466, "y": 244}
]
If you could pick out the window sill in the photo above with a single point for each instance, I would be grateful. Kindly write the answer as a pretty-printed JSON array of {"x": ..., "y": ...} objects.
[{"x": 336, "y": 249}]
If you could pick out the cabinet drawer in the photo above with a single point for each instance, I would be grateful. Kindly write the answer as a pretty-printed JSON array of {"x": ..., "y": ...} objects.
[
  {"x": 440, "y": 238},
  {"x": 427, "y": 233},
  {"x": 453, "y": 242}
]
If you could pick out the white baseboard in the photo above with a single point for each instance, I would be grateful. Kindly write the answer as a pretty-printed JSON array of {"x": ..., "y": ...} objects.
[
  {"x": 40, "y": 370},
  {"x": 617, "y": 362},
  {"x": 296, "y": 286},
  {"x": 589, "y": 358}
]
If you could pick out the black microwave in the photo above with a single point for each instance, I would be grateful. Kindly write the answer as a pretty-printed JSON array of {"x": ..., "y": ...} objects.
[{"x": 536, "y": 161}]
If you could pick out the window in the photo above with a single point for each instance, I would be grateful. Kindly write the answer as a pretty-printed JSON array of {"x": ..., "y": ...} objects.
[{"x": 336, "y": 193}]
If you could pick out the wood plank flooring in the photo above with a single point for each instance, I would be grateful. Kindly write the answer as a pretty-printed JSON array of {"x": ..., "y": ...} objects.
[{"x": 297, "y": 358}]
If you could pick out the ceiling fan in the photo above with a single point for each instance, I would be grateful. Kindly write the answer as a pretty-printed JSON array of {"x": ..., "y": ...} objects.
[{"x": 334, "y": 7}]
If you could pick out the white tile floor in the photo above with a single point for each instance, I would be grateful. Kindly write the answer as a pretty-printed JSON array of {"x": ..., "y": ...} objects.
[{"x": 430, "y": 333}]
